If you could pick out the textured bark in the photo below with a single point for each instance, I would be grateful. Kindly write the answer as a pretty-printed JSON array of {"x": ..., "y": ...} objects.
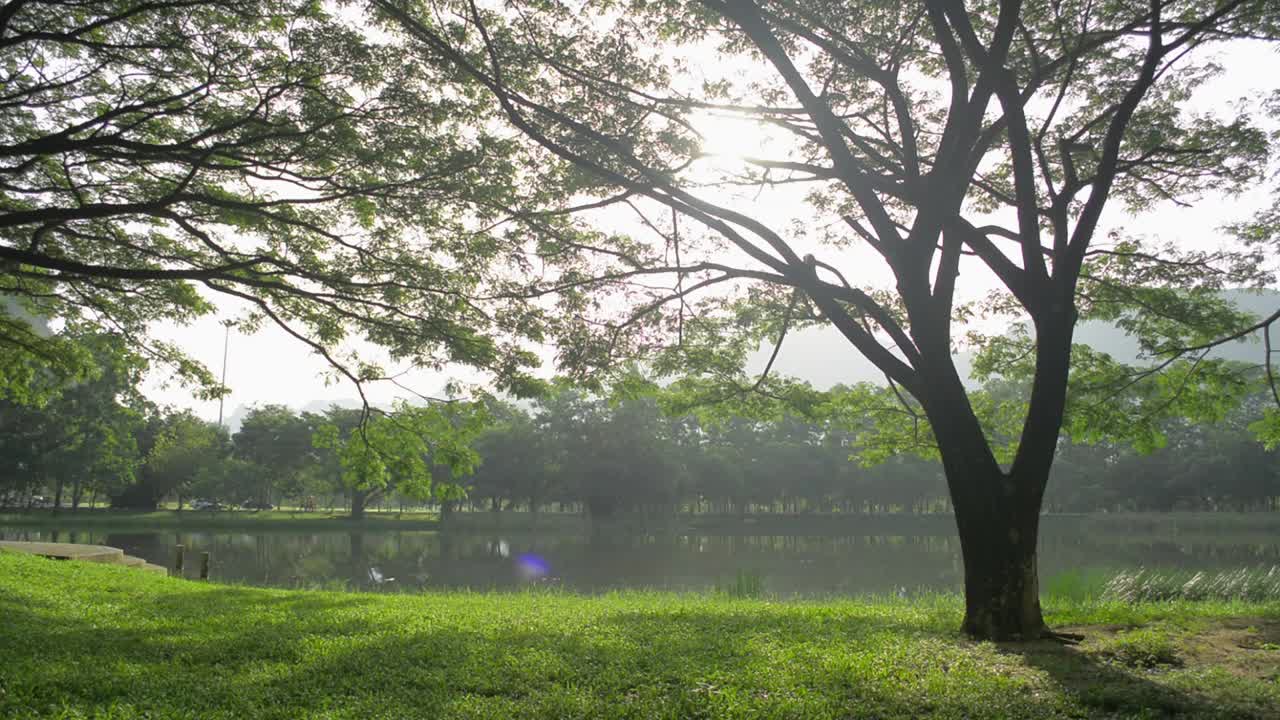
[
  {"x": 1001, "y": 582},
  {"x": 358, "y": 500}
]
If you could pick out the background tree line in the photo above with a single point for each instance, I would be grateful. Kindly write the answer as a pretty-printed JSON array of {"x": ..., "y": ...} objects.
[{"x": 100, "y": 440}]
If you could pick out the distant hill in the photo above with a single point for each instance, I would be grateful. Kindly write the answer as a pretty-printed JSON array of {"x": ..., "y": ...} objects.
[
  {"x": 825, "y": 358},
  {"x": 1113, "y": 341},
  {"x": 237, "y": 416}
]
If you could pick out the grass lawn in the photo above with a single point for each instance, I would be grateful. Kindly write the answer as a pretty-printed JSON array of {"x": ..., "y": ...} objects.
[{"x": 79, "y": 640}]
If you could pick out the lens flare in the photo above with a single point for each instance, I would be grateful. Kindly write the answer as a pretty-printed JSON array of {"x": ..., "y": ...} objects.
[{"x": 532, "y": 567}]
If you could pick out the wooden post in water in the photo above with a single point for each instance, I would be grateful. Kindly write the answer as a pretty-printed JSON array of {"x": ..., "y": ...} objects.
[
  {"x": 204, "y": 566},
  {"x": 177, "y": 560}
]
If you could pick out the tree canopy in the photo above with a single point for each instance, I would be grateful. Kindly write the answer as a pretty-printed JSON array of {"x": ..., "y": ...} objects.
[{"x": 161, "y": 159}]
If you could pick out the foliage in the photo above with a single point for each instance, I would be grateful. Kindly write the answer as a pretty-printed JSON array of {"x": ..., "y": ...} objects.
[
  {"x": 613, "y": 456},
  {"x": 403, "y": 448},
  {"x": 188, "y": 454},
  {"x": 82, "y": 430},
  {"x": 880, "y": 158},
  {"x": 168, "y": 159}
]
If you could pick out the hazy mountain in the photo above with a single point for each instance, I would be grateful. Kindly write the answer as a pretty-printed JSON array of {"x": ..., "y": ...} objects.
[
  {"x": 236, "y": 417},
  {"x": 825, "y": 358}
]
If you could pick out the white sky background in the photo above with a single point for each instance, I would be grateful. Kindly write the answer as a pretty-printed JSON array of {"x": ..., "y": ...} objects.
[{"x": 270, "y": 367}]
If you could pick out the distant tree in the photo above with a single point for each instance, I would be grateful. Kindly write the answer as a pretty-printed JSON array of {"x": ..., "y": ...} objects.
[
  {"x": 277, "y": 442},
  {"x": 324, "y": 474},
  {"x": 611, "y": 458},
  {"x": 185, "y": 456},
  {"x": 516, "y": 460},
  {"x": 227, "y": 479},
  {"x": 403, "y": 450}
]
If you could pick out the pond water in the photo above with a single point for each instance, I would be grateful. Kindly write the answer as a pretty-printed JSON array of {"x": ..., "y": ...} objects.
[{"x": 786, "y": 565}]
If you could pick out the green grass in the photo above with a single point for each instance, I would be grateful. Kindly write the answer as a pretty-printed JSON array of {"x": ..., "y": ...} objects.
[
  {"x": 1143, "y": 648},
  {"x": 89, "y": 641}
]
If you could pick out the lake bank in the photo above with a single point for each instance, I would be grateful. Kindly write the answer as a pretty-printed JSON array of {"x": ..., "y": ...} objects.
[
  {"x": 168, "y": 648},
  {"x": 222, "y": 519},
  {"x": 1206, "y": 523}
]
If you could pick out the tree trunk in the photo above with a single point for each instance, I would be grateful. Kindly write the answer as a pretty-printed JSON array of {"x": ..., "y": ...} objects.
[
  {"x": 76, "y": 490},
  {"x": 997, "y": 511},
  {"x": 358, "y": 499},
  {"x": 57, "y": 495},
  {"x": 998, "y": 539}
]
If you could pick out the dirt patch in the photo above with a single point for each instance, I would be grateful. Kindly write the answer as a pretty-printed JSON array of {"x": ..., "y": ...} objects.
[
  {"x": 1183, "y": 668},
  {"x": 1248, "y": 647},
  {"x": 1244, "y": 646}
]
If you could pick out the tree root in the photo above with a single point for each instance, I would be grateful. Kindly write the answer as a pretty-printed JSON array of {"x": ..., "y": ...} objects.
[{"x": 1065, "y": 638}]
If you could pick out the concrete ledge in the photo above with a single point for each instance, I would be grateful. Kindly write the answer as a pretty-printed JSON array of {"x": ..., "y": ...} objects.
[
  {"x": 67, "y": 551},
  {"x": 87, "y": 553}
]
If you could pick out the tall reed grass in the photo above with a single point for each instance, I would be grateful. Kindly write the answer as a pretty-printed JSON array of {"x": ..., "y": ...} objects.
[{"x": 1142, "y": 585}]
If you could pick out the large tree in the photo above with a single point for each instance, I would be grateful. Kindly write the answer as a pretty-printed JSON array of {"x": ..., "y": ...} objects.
[
  {"x": 932, "y": 139},
  {"x": 159, "y": 158}
]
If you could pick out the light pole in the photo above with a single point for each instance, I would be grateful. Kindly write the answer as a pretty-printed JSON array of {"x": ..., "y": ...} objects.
[{"x": 226, "y": 341}]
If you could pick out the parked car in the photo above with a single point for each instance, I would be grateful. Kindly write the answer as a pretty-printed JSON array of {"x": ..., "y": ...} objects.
[
  {"x": 211, "y": 505},
  {"x": 256, "y": 505}
]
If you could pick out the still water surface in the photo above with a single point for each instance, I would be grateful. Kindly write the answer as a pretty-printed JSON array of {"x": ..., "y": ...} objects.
[{"x": 787, "y": 565}]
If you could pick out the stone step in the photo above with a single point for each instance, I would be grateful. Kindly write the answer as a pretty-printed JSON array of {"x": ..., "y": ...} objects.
[
  {"x": 67, "y": 551},
  {"x": 88, "y": 553}
]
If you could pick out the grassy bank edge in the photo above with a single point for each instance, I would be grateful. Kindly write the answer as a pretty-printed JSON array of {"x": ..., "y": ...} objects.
[{"x": 1263, "y": 526}]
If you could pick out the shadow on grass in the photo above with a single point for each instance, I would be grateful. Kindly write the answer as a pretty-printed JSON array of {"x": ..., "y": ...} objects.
[
  {"x": 246, "y": 653},
  {"x": 1104, "y": 685},
  {"x": 1116, "y": 689}
]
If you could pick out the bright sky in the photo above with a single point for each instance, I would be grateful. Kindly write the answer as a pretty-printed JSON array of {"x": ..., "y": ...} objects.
[{"x": 270, "y": 367}]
